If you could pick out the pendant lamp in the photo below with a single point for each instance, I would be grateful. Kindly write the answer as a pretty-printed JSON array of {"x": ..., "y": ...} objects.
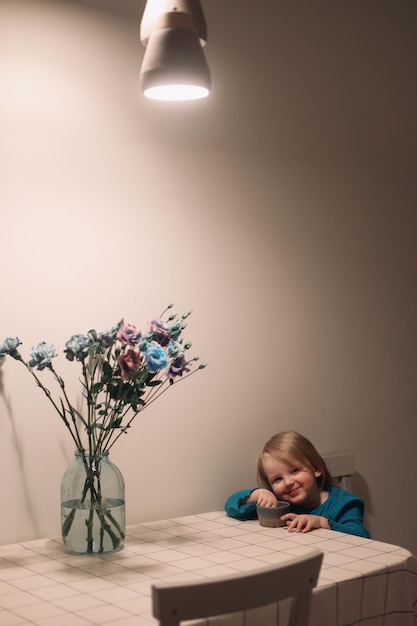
[{"x": 174, "y": 65}]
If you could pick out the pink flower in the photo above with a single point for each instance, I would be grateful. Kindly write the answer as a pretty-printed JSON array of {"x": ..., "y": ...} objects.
[
  {"x": 128, "y": 334},
  {"x": 129, "y": 363}
]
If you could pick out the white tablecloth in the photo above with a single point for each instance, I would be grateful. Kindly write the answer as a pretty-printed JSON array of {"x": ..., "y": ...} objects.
[{"x": 362, "y": 582}]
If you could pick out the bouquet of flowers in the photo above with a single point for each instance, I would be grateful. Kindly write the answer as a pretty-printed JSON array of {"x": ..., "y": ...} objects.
[{"x": 122, "y": 372}]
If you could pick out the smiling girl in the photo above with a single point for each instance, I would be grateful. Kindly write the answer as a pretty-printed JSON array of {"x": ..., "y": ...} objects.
[{"x": 291, "y": 470}]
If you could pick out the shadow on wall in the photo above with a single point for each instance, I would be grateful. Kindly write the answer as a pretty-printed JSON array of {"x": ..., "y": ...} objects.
[
  {"x": 361, "y": 489},
  {"x": 18, "y": 447}
]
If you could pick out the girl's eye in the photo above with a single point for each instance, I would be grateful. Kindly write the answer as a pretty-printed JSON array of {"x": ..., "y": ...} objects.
[
  {"x": 294, "y": 470},
  {"x": 276, "y": 480}
]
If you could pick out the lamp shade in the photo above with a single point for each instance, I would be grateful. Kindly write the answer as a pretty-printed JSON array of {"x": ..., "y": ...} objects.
[{"x": 174, "y": 66}]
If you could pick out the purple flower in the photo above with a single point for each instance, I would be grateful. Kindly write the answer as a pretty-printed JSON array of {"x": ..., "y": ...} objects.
[
  {"x": 42, "y": 355},
  {"x": 8, "y": 346},
  {"x": 77, "y": 347},
  {"x": 128, "y": 334},
  {"x": 155, "y": 358},
  {"x": 159, "y": 331},
  {"x": 178, "y": 367}
]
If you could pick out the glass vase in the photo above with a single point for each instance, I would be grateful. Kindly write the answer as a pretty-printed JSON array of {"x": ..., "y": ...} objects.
[{"x": 92, "y": 505}]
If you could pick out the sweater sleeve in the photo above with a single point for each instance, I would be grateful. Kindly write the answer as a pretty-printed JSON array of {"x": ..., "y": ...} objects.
[
  {"x": 235, "y": 507},
  {"x": 345, "y": 513}
]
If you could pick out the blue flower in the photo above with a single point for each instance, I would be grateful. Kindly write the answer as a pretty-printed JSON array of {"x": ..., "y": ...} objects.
[
  {"x": 42, "y": 355},
  {"x": 8, "y": 345},
  {"x": 155, "y": 358},
  {"x": 175, "y": 348},
  {"x": 77, "y": 347}
]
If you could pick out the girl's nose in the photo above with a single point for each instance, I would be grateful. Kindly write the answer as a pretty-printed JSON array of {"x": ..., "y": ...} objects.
[{"x": 288, "y": 480}]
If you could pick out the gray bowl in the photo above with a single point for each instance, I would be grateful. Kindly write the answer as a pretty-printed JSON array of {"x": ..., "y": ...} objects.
[{"x": 269, "y": 516}]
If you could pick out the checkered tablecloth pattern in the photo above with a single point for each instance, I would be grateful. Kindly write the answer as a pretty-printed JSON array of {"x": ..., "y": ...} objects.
[{"x": 362, "y": 582}]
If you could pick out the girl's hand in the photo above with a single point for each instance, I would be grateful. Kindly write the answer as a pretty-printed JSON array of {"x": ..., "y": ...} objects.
[
  {"x": 304, "y": 523},
  {"x": 263, "y": 497}
]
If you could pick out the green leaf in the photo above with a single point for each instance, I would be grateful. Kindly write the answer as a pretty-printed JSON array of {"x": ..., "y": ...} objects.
[
  {"x": 154, "y": 383},
  {"x": 114, "y": 391},
  {"x": 107, "y": 372},
  {"x": 135, "y": 404}
]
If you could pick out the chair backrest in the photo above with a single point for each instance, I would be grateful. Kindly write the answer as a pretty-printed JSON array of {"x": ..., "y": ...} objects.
[
  {"x": 341, "y": 467},
  {"x": 295, "y": 579}
]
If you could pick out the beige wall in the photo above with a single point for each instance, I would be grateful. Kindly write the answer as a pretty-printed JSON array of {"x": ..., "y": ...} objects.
[{"x": 281, "y": 210}]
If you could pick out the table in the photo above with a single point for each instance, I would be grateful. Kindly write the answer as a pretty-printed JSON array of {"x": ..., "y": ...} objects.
[{"x": 362, "y": 582}]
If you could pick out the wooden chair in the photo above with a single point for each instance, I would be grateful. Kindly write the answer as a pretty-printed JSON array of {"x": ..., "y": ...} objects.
[
  {"x": 341, "y": 467},
  {"x": 293, "y": 579}
]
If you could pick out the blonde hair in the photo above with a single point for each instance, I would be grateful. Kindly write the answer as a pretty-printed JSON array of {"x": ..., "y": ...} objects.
[{"x": 289, "y": 447}]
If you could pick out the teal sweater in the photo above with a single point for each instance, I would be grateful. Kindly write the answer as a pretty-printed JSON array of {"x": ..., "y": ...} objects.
[{"x": 343, "y": 511}]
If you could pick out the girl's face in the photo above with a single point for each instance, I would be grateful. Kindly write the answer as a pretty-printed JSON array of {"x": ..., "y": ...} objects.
[{"x": 293, "y": 482}]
